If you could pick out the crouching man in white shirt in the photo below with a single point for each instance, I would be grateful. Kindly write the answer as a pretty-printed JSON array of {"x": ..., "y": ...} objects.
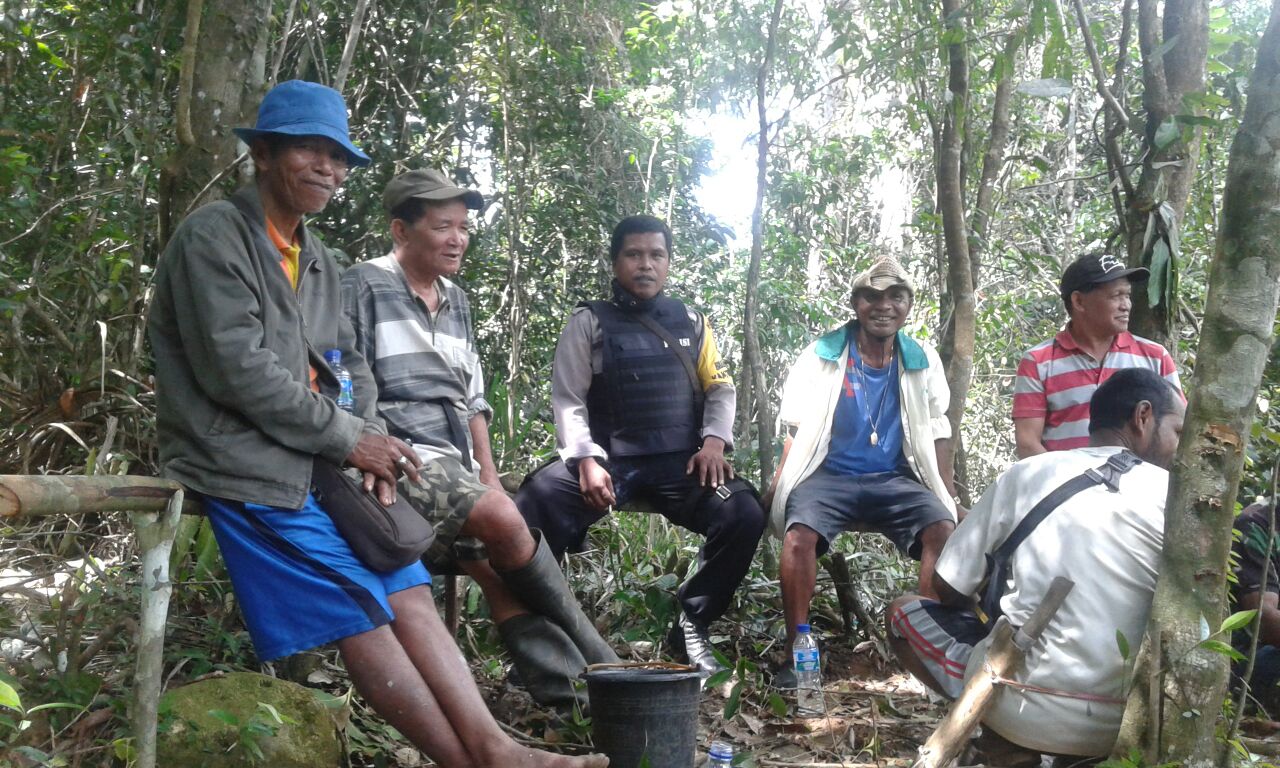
[{"x": 1069, "y": 697}]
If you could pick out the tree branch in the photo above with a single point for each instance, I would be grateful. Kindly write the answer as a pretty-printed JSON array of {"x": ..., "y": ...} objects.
[
  {"x": 349, "y": 50},
  {"x": 187, "y": 75}
]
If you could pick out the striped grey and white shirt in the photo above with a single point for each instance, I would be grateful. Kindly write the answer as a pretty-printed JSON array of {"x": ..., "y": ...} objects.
[{"x": 420, "y": 361}]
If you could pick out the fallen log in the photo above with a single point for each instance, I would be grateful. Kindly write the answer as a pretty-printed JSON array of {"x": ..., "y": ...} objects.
[{"x": 1002, "y": 657}]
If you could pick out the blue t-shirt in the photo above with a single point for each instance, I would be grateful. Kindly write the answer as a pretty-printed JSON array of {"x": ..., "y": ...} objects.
[{"x": 851, "y": 451}]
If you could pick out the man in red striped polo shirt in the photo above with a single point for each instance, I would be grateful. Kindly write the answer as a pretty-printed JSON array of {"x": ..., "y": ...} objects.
[{"x": 1057, "y": 377}]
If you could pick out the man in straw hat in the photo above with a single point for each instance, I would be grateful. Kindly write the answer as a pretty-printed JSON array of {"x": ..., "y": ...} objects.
[
  {"x": 867, "y": 445},
  {"x": 246, "y": 300},
  {"x": 413, "y": 325}
]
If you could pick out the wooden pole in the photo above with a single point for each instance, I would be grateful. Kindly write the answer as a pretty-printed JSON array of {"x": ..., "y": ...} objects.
[
  {"x": 155, "y": 533},
  {"x": 1003, "y": 655},
  {"x": 40, "y": 495}
]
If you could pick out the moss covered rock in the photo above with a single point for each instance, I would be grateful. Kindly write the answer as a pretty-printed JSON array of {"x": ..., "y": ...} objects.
[{"x": 231, "y": 721}]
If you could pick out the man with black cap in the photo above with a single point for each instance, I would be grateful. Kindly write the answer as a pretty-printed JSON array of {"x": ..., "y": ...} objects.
[
  {"x": 246, "y": 301},
  {"x": 644, "y": 412},
  {"x": 1057, "y": 377},
  {"x": 868, "y": 445},
  {"x": 413, "y": 324}
]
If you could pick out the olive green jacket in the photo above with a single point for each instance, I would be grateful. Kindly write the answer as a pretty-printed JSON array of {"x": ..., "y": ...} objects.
[{"x": 233, "y": 343}]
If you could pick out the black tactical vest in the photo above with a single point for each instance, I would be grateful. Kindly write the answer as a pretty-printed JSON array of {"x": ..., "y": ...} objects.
[{"x": 643, "y": 402}]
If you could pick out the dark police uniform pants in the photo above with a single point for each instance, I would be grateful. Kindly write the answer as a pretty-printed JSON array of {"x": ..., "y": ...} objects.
[{"x": 550, "y": 499}]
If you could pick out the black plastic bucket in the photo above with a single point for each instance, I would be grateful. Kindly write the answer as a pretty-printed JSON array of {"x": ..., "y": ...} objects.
[{"x": 644, "y": 713}]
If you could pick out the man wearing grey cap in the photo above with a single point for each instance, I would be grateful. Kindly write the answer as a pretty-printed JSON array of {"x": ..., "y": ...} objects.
[
  {"x": 1057, "y": 377},
  {"x": 868, "y": 443},
  {"x": 413, "y": 324}
]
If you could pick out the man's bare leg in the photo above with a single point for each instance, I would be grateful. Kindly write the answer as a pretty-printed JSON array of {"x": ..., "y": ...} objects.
[
  {"x": 496, "y": 522},
  {"x": 932, "y": 538},
  {"x": 440, "y": 667},
  {"x": 798, "y": 572},
  {"x": 386, "y": 677},
  {"x": 502, "y": 604}
]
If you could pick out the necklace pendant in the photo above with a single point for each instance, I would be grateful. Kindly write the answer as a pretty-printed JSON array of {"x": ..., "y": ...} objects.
[{"x": 875, "y": 439}]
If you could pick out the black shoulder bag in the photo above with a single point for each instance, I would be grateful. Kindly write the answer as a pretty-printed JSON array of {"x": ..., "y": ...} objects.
[
  {"x": 998, "y": 562},
  {"x": 384, "y": 538}
]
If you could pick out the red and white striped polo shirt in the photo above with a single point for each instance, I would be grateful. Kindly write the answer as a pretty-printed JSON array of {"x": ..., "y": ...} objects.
[{"x": 1057, "y": 378}]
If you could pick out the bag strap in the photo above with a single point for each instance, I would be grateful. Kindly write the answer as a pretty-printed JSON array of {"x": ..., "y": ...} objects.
[
  {"x": 997, "y": 562},
  {"x": 699, "y": 397},
  {"x": 457, "y": 435}
]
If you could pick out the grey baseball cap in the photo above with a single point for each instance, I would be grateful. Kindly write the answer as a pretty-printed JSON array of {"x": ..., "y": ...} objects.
[{"x": 427, "y": 184}]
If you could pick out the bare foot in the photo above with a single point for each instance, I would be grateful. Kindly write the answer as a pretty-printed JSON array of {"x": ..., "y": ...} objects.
[{"x": 527, "y": 757}]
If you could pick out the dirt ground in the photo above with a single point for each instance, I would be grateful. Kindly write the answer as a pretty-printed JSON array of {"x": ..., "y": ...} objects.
[{"x": 876, "y": 716}]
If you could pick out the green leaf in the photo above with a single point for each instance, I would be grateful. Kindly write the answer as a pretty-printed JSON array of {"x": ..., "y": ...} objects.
[
  {"x": 777, "y": 705},
  {"x": 1217, "y": 646},
  {"x": 1122, "y": 643},
  {"x": 734, "y": 700},
  {"x": 719, "y": 678},
  {"x": 9, "y": 697},
  {"x": 1238, "y": 620},
  {"x": 1167, "y": 133},
  {"x": 1203, "y": 120},
  {"x": 225, "y": 716},
  {"x": 1045, "y": 87},
  {"x": 1167, "y": 46},
  {"x": 55, "y": 705}
]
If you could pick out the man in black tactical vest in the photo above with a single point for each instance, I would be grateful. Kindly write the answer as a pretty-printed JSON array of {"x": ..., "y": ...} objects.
[{"x": 644, "y": 412}]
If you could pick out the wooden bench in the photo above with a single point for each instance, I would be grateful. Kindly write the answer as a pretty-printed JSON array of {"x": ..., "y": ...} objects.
[{"x": 155, "y": 506}]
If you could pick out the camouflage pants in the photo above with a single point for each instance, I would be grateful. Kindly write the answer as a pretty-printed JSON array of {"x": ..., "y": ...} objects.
[{"x": 448, "y": 493}]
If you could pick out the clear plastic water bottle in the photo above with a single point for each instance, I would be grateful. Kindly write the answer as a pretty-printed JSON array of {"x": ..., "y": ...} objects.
[
  {"x": 808, "y": 666},
  {"x": 346, "y": 392},
  {"x": 721, "y": 755}
]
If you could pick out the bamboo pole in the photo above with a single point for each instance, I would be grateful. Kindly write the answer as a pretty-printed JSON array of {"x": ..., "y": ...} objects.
[
  {"x": 42, "y": 495},
  {"x": 1003, "y": 655}
]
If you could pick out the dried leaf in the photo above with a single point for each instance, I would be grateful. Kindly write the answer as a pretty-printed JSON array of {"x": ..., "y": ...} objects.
[
  {"x": 67, "y": 403},
  {"x": 1221, "y": 433}
]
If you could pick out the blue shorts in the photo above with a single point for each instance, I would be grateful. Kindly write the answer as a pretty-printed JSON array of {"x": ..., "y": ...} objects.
[{"x": 298, "y": 583}]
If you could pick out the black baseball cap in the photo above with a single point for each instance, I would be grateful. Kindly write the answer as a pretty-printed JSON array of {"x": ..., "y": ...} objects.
[{"x": 1095, "y": 269}]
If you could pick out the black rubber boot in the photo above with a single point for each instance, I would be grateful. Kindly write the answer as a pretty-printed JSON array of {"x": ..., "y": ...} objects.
[
  {"x": 539, "y": 584},
  {"x": 546, "y": 660}
]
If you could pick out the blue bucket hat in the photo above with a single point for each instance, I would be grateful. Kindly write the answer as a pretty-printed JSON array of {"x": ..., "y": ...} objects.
[{"x": 299, "y": 108}]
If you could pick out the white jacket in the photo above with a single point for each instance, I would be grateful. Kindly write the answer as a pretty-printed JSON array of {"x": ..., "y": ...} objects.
[{"x": 809, "y": 405}]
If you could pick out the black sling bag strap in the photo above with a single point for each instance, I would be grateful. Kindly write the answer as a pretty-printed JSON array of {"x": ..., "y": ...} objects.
[
  {"x": 457, "y": 434},
  {"x": 698, "y": 395},
  {"x": 998, "y": 562}
]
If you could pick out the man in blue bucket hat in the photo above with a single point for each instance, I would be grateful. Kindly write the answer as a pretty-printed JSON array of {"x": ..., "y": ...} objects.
[{"x": 247, "y": 300}]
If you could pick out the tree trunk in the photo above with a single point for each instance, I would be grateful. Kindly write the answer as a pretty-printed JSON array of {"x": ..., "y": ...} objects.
[
  {"x": 353, "y": 39},
  {"x": 993, "y": 160},
  {"x": 224, "y": 67},
  {"x": 958, "y": 345},
  {"x": 752, "y": 358},
  {"x": 1244, "y": 287},
  {"x": 1169, "y": 170}
]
